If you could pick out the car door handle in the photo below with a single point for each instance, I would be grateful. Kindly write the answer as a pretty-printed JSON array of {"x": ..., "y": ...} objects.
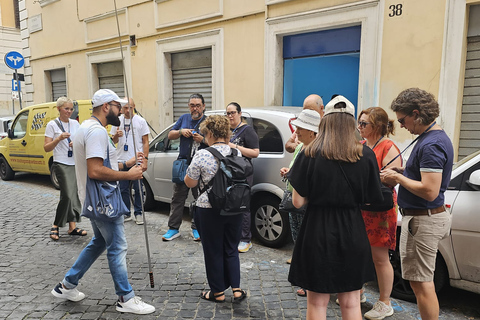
[{"x": 24, "y": 143}]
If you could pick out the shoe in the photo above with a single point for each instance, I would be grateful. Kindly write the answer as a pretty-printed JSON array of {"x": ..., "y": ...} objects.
[
  {"x": 196, "y": 236},
  {"x": 363, "y": 299},
  {"x": 134, "y": 305},
  {"x": 244, "y": 246},
  {"x": 289, "y": 261},
  {"x": 301, "y": 292},
  {"x": 70, "y": 294},
  {"x": 379, "y": 311},
  {"x": 139, "y": 219},
  {"x": 171, "y": 234},
  {"x": 127, "y": 218},
  {"x": 213, "y": 296},
  {"x": 243, "y": 295}
]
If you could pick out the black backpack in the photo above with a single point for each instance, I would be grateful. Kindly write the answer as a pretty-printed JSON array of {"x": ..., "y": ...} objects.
[{"x": 229, "y": 190}]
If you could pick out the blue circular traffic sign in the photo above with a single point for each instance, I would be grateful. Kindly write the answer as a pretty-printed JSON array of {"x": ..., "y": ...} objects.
[{"x": 14, "y": 60}]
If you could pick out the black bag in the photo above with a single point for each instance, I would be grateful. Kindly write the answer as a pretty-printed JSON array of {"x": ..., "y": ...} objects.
[
  {"x": 229, "y": 190},
  {"x": 286, "y": 204},
  {"x": 385, "y": 205},
  {"x": 179, "y": 170}
]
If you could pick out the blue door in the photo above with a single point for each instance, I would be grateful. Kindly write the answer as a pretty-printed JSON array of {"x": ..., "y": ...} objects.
[{"x": 324, "y": 63}]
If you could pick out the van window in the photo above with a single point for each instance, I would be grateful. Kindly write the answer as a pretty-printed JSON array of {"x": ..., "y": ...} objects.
[
  {"x": 19, "y": 128},
  {"x": 269, "y": 138}
]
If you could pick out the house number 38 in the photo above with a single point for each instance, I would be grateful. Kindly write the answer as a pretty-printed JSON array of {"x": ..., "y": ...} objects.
[{"x": 396, "y": 10}]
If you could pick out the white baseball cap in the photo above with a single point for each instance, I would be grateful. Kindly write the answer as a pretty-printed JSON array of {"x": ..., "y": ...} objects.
[
  {"x": 330, "y": 107},
  {"x": 105, "y": 96},
  {"x": 308, "y": 119}
]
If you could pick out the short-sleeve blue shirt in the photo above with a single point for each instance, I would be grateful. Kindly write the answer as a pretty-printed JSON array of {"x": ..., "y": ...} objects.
[
  {"x": 432, "y": 153},
  {"x": 186, "y": 121}
]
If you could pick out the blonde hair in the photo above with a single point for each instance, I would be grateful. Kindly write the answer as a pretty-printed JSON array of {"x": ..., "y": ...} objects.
[
  {"x": 218, "y": 125},
  {"x": 62, "y": 100},
  {"x": 336, "y": 139}
]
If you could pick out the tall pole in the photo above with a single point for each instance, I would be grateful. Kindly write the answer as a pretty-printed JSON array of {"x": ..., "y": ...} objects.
[{"x": 19, "y": 90}]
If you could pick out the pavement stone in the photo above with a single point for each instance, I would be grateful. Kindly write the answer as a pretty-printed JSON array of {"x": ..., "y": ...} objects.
[{"x": 31, "y": 264}]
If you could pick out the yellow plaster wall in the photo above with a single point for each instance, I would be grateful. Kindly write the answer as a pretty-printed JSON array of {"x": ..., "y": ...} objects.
[
  {"x": 8, "y": 15},
  {"x": 411, "y": 51},
  {"x": 296, "y": 6}
]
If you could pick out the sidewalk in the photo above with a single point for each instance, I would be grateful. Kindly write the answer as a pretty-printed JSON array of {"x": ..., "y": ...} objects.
[{"x": 31, "y": 264}]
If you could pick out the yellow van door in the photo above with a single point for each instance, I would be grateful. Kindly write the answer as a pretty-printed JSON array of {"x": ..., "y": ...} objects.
[
  {"x": 38, "y": 157},
  {"x": 17, "y": 148}
]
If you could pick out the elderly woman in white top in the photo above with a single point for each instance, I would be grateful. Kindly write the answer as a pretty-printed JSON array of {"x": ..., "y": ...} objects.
[{"x": 58, "y": 137}]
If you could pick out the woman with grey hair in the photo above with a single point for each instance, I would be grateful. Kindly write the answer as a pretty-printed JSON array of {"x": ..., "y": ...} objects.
[{"x": 58, "y": 137}]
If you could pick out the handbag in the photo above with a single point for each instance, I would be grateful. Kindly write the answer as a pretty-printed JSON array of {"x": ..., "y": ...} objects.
[
  {"x": 103, "y": 199},
  {"x": 179, "y": 170},
  {"x": 286, "y": 204},
  {"x": 385, "y": 205}
]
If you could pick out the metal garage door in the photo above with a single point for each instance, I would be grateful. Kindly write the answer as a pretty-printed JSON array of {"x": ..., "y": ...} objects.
[
  {"x": 59, "y": 83},
  {"x": 110, "y": 76},
  {"x": 191, "y": 73},
  {"x": 470, "y": 126}
]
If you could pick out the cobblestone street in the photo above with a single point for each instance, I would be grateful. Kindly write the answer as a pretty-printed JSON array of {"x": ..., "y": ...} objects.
[{"x": 31, "y": 264}]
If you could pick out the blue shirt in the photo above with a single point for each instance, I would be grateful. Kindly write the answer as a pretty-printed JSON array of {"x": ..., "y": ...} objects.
[
  {"x": 432, "y": 153},
  {"x": 186, "y": 121}
]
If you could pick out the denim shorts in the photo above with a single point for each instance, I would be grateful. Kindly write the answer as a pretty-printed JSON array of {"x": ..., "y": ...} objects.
[{"x": 419, "y": 244}]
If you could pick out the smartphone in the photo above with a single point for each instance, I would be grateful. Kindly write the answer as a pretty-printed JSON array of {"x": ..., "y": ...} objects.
[{"x": 193, "y": 132}]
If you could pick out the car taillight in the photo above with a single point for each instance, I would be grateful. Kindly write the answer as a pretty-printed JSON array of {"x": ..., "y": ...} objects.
[{"x": 290, "y": 124}]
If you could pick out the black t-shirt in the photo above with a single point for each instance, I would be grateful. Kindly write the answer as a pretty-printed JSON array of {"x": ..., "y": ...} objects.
[{"x": 245, "y": 136}]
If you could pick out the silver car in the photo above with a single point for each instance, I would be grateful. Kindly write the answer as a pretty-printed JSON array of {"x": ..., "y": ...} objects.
[
  {"x": 269, "y": 225},
  {"x": 458, "y": 257}
]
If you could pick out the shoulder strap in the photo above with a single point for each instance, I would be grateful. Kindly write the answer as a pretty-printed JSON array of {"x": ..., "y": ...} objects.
[
  {"x": 239, "y": 132},
  {"x": 61, "y": 127},
  {"x": 217, "y": 155},
  {"x": 348, "y": 181}
]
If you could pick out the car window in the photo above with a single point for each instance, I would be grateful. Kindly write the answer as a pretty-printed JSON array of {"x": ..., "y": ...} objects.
[
  {"x": 20, "y": 126},
  {"x": 162, "y": 144},
  {"x": 269, "y": 138}
]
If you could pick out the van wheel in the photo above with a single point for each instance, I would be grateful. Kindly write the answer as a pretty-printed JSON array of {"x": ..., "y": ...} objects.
[
  {"x": 270, "y": 226},
  {"x": 6, "y": 172},
  {"x": 53, "y": 176}
]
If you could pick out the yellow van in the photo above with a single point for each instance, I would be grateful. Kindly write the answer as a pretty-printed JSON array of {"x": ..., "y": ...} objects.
[{"x": 23, "y": 150}]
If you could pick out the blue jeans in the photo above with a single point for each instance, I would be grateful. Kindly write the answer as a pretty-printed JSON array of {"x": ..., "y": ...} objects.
[
  {"x": 110, "y": 236},
  {"x": 125, "y": 189}
]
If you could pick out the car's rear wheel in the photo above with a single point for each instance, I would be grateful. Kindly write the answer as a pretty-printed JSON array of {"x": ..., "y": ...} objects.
[
  {"x": 54, "y": 177},
  {"x": 270, "y": 226},
  {"x": 148, "y": 200},
  {"x": 401, "y": 287},
  {"x": 6, "y": 172}
]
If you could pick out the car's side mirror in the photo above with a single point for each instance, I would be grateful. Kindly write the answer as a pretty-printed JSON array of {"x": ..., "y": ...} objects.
[
  {"x": 474, "y": 180},
  {"x": 160, "y": 146},
  {"x": 10, "y": 133}
]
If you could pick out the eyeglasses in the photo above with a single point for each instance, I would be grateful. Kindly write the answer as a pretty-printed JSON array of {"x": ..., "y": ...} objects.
[
  {"x": 402, "y": 120},
  {"x": 230, "y": 113},
  {"x": 363, "y": 124},
  {"x": 195, "y": 106},
  {"x": 116, "y": 105}
]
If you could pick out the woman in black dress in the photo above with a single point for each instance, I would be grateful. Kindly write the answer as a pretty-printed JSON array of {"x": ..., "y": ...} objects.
[{"x": 334, "y": 174}]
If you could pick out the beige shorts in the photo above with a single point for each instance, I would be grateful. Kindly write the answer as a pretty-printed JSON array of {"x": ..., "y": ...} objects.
[{"x": 419, "y": 244}]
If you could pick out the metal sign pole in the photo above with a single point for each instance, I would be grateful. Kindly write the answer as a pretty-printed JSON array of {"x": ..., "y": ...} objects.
[{"x": 19, "y": 89}]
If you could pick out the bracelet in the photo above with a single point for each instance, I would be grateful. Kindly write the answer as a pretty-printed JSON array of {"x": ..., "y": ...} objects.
[
  {"x": 180, "y": 131},
  {"x": 124, "y": 165},
  {"x": 145, "y": 157},
  {"x": 203, "y": 140}
]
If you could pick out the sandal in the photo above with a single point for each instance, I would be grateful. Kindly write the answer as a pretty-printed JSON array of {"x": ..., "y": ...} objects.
[
  {"x": 241, "y": 297},
  {"x": 78, "y": 232},
  {"x": 212, "y": 296},
  {"x": 302, "y": 292},
  {"x": 54, "y": 233}
]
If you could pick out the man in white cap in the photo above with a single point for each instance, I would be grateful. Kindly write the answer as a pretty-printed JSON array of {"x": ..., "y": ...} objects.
[{"x": 90, "y": 149}]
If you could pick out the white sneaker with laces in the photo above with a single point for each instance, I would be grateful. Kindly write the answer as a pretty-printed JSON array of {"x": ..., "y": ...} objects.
[
  {"x": 135, "y": 305},
  {"x": 70, "y": 294},
  {"x": 363, "y": 299},
  {"x": 379, "y": 311},
  {"x": 139, "y": 219}
]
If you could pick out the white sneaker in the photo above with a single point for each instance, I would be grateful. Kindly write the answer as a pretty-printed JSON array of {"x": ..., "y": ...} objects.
[
  {"x": 127, "y": 218},
  {"x": 379, "y": 311},
  {"x": 135, "y": 305},
  {"x": 139, "y": 219},
  {"x": 244, "y": 246},
  {"x": 70, "y": 294}
]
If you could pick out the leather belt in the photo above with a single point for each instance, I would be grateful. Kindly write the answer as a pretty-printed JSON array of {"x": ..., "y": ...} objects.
[{"x": 422, "y": 212}]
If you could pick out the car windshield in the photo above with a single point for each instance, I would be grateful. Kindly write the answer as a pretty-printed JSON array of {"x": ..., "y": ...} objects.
[{"x": 471, "y": 156}]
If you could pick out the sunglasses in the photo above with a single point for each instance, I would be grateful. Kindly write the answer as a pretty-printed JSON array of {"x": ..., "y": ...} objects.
[
  {"x": 230, "y": 113},
  {"x": 363, "y": 124},
  {"x": 402, "y": 120}
]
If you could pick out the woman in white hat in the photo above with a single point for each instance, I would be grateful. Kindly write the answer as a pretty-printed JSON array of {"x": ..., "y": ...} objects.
[{"x": 306, "y": 130}]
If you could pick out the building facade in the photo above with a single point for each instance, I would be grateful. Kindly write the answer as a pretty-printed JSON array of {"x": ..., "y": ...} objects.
[
  {"x": 258, "y": 53},
  {"x": 10, "y": 40}
]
